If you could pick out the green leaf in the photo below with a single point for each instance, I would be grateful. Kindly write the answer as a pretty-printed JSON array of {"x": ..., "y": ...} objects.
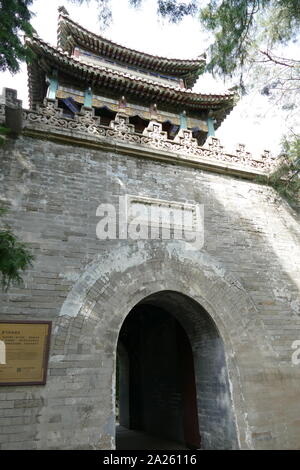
[{"x": 15, "y": 257}]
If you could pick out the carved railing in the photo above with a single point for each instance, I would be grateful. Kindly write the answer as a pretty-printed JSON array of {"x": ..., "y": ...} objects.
[{"x": 50, "y": 117}]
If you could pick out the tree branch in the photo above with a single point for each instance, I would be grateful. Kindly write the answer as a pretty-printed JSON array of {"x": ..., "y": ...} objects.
[{"x": 280, "y": 60}]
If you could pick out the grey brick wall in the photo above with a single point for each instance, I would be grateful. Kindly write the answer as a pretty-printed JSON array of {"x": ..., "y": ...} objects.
[{"x": 246, "y": 277}]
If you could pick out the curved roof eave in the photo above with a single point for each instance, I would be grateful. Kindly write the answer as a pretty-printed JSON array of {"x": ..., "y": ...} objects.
[
  {"x": 71, "y": 34},
  {"x": 94, "y": 73}
]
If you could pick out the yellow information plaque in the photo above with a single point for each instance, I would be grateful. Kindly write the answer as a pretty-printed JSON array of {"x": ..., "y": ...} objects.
[{"x": 24, "y": 351}]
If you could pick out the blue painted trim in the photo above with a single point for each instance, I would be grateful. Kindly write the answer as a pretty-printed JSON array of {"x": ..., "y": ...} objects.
[
  {"x": 183, "y": 121},
  {"x": 210, "y": 127},
  {"x": 88, "y": 98},
  {"x": 52, "y": 88}
]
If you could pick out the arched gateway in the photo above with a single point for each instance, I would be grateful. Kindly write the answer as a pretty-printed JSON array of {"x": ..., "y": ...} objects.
[
  {"x": 163, "y": 326},
  {"x": 172, "y": 375}
]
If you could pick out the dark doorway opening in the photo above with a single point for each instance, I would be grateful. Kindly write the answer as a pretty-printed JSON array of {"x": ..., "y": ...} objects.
[{"x": 156, "y": 389}]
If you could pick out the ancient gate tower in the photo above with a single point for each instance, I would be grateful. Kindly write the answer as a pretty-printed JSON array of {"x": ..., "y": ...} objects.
[{"x": 154, "y": 249}]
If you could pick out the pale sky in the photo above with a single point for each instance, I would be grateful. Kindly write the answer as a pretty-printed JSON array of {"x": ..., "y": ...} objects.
[{"x": 252, "y": 122}]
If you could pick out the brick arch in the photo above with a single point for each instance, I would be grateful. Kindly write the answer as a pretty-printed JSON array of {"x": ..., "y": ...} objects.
[
  {"x": 114, "y": 283},
  {"x": 211, "y": 279}
]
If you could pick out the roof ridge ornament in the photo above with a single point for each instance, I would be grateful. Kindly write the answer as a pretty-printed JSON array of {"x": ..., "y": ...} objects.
[{"x": 63, "y": 11}]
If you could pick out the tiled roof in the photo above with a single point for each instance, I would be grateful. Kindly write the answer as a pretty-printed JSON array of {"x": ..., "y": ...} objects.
[
  {"x": 71, "y": 34},
  {"x": 49, "y": 57}
]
